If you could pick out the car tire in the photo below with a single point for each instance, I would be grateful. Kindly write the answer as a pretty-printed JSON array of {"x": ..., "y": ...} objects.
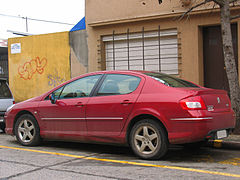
[
  {"x": 148, "y": 139},
  {"x": 27, "y": 130}
]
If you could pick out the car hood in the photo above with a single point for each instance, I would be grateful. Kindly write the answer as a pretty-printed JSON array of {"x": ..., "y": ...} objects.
[
  {"x": 38, "y": 98},
  {"x": 33, "y": 99}
]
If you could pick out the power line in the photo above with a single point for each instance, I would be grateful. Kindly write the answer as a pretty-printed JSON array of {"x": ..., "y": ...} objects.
[{"x": 33, "y": 19}]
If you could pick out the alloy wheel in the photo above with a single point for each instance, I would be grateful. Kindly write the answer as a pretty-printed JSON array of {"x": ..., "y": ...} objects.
[
  {"x": 26, "y": 131},
  {"x": 146, "y": 139}
]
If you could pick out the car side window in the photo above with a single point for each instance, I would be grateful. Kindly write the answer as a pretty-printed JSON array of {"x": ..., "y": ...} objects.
[
  {"x": 79, "y": 88},
  {"x": 56, "y": 92},
  {"x": 115, "y": 84}
]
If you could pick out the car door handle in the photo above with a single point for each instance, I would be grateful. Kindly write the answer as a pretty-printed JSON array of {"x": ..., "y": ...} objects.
[
  {"x": 126, "y": 102},
  {"x": 79, "y": 104}
]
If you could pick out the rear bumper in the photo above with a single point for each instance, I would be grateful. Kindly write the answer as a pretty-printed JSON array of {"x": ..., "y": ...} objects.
[
  {"x": 194, "y": 129},
  {"x": 2, "y": 120},
  {"x": 2, "y": 117},
  {"x": 213, "y": 134}
]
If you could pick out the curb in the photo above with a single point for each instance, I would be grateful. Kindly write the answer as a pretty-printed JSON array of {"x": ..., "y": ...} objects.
[{"x": 224, "y": 144}]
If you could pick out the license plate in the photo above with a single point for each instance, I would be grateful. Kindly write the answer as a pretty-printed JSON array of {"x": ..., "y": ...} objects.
[
  {"x": 221, "y": 134},
  {"x": 1, "y": 119}
]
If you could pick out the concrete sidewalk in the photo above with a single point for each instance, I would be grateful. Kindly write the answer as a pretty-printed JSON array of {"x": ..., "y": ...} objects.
[{"x": 231, "y": 142}]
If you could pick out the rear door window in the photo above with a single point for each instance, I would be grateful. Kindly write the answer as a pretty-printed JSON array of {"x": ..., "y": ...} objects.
[
  {"x": 4, "y": 91},
  {"x": 116, "y": 84}
]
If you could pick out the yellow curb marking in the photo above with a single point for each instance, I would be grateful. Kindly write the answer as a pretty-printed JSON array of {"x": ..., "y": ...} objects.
[
  {"x": 125, "y": 162},
  {"x": 204, "y": 158},
  {"x": 233, "y": 161},
  {"x": 217, "y": 143}
]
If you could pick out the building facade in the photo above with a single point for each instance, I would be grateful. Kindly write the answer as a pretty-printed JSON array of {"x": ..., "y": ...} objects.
[
  {"x": 148, "y": 35},
  {"x": 39, "y": 63}
]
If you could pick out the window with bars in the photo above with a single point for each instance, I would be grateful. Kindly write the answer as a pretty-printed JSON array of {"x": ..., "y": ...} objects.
[{"x": 150, "y": 51}]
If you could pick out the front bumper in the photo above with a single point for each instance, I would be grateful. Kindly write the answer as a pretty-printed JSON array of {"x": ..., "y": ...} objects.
[{"x": 8, "y": 125}]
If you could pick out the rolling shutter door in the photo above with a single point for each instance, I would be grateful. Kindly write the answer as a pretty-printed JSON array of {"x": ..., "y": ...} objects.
[{"x": 138, "y": 51}]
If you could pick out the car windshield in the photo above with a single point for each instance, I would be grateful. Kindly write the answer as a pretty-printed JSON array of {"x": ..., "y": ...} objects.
[
  {"x": 170, "y": 81},
  {"x": 4, "y": 91}
]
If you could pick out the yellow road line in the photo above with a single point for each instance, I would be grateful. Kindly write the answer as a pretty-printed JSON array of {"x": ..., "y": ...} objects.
[{"x": 125, "y": 162}]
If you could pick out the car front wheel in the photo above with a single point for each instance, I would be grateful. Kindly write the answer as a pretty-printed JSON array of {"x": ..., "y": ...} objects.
[
  {"x": 27, "y": 130},
  {"x": 148, "y": 139}
]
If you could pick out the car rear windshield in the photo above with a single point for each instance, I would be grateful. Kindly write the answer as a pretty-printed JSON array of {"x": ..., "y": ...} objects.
[
  {"x": 4, "y": 91},
  {"x": 170, "y": 81}
]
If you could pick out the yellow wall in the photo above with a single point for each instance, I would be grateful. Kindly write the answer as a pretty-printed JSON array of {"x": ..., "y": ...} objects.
[{"x": 42, "y": 64}]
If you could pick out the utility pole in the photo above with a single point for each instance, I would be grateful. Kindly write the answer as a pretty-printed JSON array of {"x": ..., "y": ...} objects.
[{"x": 26, "y": 24}]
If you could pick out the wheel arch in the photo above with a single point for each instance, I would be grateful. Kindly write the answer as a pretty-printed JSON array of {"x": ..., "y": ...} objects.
[
  {"x": 20, "y": 114},
  {"x": 140, "y": 117}
]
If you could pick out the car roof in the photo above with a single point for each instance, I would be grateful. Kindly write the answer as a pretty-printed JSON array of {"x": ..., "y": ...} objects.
[
  {"x": 139, "y": 72},
  {"x": 123, "y": 71}
]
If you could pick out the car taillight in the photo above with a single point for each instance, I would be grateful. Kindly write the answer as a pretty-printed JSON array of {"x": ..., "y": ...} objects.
[
  {"x": 193, "y": 103},
  {"x": 13, "y": 102}
]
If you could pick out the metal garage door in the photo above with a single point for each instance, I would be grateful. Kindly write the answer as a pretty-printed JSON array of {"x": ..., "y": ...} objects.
[{"x": 155, "y": 51}]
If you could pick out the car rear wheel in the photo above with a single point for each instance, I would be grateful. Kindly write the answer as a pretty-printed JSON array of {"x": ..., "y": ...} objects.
[
  {"x": 148, "y": 139},
  {"x": 27, "y": 130}
]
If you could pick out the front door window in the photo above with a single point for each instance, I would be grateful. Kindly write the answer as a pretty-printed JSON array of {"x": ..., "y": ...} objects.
[{"x": 79, "y": 88}]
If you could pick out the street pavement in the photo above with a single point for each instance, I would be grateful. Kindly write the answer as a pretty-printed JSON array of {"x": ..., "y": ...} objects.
[{"x": 66, "y": 160}]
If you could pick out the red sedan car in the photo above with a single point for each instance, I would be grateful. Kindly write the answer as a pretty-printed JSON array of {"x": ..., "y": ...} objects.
[{"x": 145, "y": 110}]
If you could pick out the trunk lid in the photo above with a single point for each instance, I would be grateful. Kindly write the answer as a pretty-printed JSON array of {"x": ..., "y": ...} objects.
[{"x": 215, "y": 100}]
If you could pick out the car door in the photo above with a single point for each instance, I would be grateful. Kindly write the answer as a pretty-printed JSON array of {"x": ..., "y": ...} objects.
[
  {"x": 67, "y": 116},
  {"x": 108, "y": 110}
]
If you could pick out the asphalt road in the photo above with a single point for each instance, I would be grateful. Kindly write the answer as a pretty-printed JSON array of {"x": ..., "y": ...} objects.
[{"x": 67, "y": 160}]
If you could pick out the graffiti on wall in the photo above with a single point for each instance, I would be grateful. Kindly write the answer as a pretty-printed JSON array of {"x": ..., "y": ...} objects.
[
  {"x": 28, "y": 69},
  {"x": 54, "y": 79}
]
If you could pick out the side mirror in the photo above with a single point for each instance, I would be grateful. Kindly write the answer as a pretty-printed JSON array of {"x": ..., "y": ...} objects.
[{"x": 52, "y": 98}]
